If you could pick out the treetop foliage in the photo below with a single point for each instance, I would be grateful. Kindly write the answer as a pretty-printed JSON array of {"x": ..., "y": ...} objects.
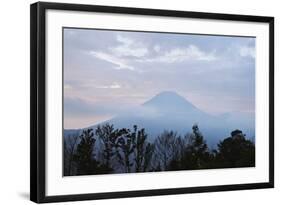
[{"x": 108, "y": 150}]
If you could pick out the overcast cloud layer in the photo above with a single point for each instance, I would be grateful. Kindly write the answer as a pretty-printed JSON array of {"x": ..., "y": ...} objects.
[{"x": 108, "y": 72}]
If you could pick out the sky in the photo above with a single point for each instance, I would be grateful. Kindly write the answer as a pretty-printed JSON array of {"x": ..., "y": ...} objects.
[{"x": 107, "y": 72}]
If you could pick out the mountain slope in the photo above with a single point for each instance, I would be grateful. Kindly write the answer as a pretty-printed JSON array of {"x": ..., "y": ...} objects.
[{"x": 170, "y": 111}]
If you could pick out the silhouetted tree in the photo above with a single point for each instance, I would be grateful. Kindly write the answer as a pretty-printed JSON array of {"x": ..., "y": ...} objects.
[
  {"x": 107, "y": 135},
  {"x": 177, "y": 160},
  {"x": 125, "y": 148},
  {"x": 148, "y": 154},
  {"x": 236, "y": 151},
  {"x": 166, "y": 148},
  {"x": 84, "y": 156},
  {"x": 70, "y": 144},
  {"x": 142, "y": 149},
  {"x": 66, "y": 171},
  {"x": 196, "y": 154}
]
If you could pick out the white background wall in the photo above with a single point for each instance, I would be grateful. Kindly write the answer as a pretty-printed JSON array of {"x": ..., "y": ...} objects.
[{"x": 14, "y": 100}]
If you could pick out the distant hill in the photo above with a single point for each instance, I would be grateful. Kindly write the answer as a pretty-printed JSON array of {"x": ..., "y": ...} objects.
[{"x": 170, "y": 111}]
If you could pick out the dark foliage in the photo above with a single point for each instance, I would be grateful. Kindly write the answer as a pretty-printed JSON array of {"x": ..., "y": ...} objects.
[
  {"x": 194, "y": 154},
  {"x": 84, "y": 156},
  {"x": 70, "y": 146},
  {"x": 108, "y": 150},
  {"x": 236, "y": 151},
  {"x": 108, "y": 136},
  {"x": 125, "y": 148},
  {"x": 166, "y": 149}
]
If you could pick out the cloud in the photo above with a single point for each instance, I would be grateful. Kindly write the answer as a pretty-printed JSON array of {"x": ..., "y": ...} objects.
[
  {"x": 156, "y": 48},
  {"x": 67, "y": 86},
  {"x": 124, "y": 40},
  {"x": 129, "y": 48},
  {"x": 129, "y": 51},
  {"x": 112, "y": 86},
  {"x": 176, "y": 55},
  {"x": 247, "y": 51},
  {"x": 120, "y": 55},
  {"x": 121, "y": 63}
]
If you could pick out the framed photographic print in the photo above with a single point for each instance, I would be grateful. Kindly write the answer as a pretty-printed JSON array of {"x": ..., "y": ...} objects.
[{"x": 129, "y": 102}]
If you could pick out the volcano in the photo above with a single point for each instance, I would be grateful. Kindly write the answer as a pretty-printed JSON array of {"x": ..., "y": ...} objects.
[{"x": 170, "y": 111}]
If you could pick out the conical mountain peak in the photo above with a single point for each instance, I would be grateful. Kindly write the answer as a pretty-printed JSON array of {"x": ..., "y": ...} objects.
[
  {"x": 168, "y": 94},
  {"x": 170, "y": 100}
]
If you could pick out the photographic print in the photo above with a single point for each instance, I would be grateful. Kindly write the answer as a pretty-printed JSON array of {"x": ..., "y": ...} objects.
[
  {"x": 137, "y": 101},
  {"x": 132, "y": 102}
]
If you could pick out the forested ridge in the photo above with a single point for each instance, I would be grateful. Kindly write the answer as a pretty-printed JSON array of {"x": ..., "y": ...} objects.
[{"x": 107, "y": 150}]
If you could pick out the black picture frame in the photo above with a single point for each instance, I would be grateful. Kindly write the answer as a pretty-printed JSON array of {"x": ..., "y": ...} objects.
[{"x": 38, "y": 101}]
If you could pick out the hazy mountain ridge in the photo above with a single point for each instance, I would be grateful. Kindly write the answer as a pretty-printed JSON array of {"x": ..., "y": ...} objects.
[{"x": 170, "y": 111}]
